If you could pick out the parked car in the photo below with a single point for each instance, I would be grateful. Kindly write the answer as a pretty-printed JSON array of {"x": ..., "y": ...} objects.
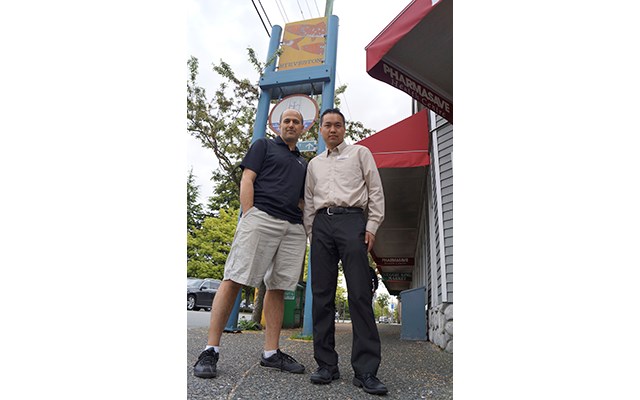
[
  {"x": 244, "y": 307},
  {"x": 200, "y": 293}
]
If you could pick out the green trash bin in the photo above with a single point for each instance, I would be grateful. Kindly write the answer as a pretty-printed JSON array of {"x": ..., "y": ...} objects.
[{"x": 293, "y": 307}]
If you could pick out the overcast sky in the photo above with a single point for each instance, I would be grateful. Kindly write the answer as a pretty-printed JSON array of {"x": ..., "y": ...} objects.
[{"x": 223, "y": 29}]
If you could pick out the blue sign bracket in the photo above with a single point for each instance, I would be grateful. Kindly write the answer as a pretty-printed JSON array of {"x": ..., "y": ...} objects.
[{"x": 320, "y": 73}]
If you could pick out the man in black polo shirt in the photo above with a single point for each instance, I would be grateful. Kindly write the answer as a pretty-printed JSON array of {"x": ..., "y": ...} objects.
[{"x": 269, "y": 242}]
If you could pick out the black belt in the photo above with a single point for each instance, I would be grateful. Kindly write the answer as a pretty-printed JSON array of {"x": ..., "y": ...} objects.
[{"x": 340, "y": 210}]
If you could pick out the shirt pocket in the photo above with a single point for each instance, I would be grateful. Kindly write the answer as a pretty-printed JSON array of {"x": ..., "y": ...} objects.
[{"x": 352, "y": 174}]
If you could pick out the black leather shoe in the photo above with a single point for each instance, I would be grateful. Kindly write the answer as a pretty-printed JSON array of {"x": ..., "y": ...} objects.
[
  {"x": 370, "y": 384},
  {"x": 325, "y": 375},
  {"x": 206, "y": 365}
]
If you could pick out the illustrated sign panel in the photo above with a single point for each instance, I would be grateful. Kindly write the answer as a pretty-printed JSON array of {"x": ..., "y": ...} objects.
[{"x": 303, "y": 44}]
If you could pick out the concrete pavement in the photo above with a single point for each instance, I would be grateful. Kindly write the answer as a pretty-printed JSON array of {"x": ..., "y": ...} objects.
[{"x": 410, "y": 369}]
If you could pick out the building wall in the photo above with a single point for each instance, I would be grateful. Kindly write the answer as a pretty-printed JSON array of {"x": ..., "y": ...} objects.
[
  {"x": 421, "y": 273},
  {"x": 444, "y": 132},
  {"x": 433, "y": 260}
]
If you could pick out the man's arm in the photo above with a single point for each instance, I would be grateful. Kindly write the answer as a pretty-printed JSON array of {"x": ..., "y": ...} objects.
[
  {"x": 376, "y": 196},
  {"x": 309, "y": 210},
  {"x": 246, "y": 189}
]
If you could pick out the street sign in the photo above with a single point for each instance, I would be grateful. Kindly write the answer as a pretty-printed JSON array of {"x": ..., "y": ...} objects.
[{"x": 308, "y": 145}]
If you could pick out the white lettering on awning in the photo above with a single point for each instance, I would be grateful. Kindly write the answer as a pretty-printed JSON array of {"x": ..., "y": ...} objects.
[{"x": 415, "y": 89}]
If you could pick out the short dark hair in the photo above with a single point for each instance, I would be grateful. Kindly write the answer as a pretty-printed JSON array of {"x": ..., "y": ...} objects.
[{"x": 332, "y": 111}]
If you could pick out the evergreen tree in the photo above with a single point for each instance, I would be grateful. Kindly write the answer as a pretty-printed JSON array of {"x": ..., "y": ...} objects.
[{"x": 195, "y": 215}]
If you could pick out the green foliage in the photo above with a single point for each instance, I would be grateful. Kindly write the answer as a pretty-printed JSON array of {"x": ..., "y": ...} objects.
[
  {"x": 226, "y": 193},
  {"x": 341, "y": 299},
  {"x": 195, "y": 215},
  {"x": 377, "y": 311},
  {"x": 223, "y": 124},
  {"x": 300, "y": 336},
  {"x": 381, "y": 305},
  {"x": 249, "y": 325},
  {"x": 208, "y": 247},
  {"x": 383, "y": 300}
]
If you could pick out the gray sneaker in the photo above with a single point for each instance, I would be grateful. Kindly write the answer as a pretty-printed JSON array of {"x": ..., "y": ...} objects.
[
  {"x": 206, "y": 365},
  {"x": 283, "y": 362}
]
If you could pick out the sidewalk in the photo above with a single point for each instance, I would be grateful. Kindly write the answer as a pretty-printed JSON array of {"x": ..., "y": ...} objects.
[{"x": 410, "y": 369}]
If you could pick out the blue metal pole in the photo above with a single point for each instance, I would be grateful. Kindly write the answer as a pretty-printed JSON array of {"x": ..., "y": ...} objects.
[
  {"x": 259, "y": 131},
  {"x": 262, "y": 114},
  {"x": 328, "y": 87},
  {"x": 232, "y": 322},
  {"x": 307, "y": 321}
]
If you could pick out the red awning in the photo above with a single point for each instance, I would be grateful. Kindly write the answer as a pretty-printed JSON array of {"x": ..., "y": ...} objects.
[
  {"x": 404, "y": 144},
  {"x": 414, "y": 53}
]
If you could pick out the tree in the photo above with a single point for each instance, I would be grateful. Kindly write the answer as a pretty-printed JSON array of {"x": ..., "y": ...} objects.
[
  {"x": 208, "y": 248},
  {"x": 195, "y": 215},
  {"x": 341, "y": 301},
  {"x": 223, "y": 124},
  {"x": 381, "y": 305},
  {"x": 258, "y": 305},
  {"x": 383, "y": 300}
]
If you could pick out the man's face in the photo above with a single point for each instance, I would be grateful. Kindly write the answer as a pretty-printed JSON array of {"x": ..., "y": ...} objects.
[
  {"x": 332, "y": 130},
  {"x": 291, "y": 126}
]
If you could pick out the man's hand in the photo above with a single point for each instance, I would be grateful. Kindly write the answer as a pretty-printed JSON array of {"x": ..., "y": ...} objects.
[{"x": 369, "y": 239}]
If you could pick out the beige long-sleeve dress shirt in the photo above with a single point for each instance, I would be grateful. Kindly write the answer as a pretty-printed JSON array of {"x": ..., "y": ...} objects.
[{"x": 344, "y": 177}]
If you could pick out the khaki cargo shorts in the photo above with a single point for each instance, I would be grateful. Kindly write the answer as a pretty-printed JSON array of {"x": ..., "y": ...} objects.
[{"x": 266, "y": 248}]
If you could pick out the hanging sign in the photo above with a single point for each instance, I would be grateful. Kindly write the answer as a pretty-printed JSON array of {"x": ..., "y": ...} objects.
[
  {"x": 303, "y": 44},
  {"x": 396, "y": 276},
  {"x": 300, "y": 102},
  {"x": 393, "y": 261}
]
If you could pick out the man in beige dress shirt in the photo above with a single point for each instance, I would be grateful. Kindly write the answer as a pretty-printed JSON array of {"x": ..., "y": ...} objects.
[{"x": 344, "y": 206}]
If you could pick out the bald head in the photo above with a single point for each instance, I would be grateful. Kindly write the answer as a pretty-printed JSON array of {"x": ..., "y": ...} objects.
[
  {"x": 291, "y": 126},
  {"x": 291, "y": 112}
]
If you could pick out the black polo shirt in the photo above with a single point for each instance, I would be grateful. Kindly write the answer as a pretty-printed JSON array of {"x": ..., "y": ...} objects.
[{"x": 280, "y": 182}]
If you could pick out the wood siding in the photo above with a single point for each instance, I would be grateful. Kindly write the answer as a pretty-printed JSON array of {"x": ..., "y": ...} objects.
[
  {"x": 444, "y": 263},
  {"x": 421, "y": 270}
]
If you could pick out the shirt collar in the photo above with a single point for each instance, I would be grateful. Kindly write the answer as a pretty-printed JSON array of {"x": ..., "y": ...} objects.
[
  {"x": 281, "y": 142},
  {"x": 339, "y": 148}
]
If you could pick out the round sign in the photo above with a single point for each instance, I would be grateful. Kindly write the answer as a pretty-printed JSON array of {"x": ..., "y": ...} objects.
[{"x": 300, "y": 102}]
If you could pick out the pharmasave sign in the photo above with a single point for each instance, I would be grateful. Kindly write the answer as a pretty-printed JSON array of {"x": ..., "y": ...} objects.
[
  {"x": 391, "y": 261},
  {"x": 426, "y": 96},
  {"x": 414, "y": 53}
]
